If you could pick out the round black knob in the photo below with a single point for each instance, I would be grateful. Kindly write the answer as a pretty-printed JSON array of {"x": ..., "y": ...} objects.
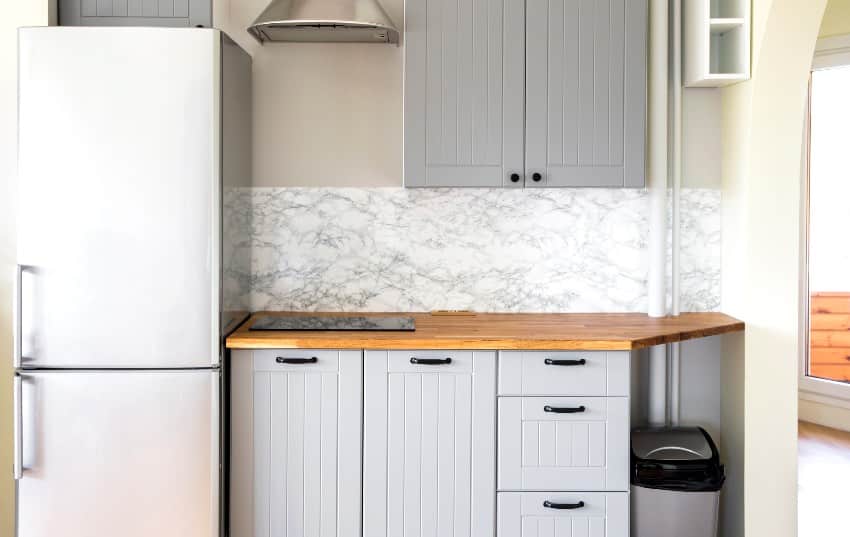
[
  {"x": 515, "y": 178},
  {"x": 536, "y": 177}
]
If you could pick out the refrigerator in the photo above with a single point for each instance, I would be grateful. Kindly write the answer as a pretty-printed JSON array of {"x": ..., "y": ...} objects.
[{"x": 133, "y": 264}]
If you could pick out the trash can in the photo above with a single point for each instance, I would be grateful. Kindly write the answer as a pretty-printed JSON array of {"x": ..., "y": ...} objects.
[{"x": 676, "y": 480}]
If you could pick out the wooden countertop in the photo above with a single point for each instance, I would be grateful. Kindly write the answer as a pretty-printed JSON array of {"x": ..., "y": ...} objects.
[{"x": 499, "y": 331}]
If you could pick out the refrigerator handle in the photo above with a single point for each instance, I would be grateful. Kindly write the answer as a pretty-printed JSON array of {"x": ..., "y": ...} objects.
[
  {"x": 17, "y": 314},
  {"x": 18, "y": 464}
]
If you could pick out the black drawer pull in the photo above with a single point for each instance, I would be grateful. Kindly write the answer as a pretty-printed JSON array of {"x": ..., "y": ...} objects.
[
  {"x": 551, "y": 361},
  {"x": 430, "y": 361},
  {"x": 564, "y": 409},
  {"x": 282, "y": 360},
  {"x": 552, "y": 505}
]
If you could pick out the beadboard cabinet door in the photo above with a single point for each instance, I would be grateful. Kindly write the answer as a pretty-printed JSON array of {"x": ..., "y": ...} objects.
[
  {"x": 429, "y": 444},
  {"x": 585, "y": 93},
  {"x": 295, "y": 443},
  {"x": 463, "y": 93}
]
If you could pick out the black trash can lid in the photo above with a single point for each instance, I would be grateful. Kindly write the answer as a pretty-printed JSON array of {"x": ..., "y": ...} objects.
[
  {"x": 672, "y": 444},
  {"x": 682, "y": 459}
]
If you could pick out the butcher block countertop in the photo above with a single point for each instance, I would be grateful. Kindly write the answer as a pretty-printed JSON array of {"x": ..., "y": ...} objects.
[{"x": 498, "y": 331}]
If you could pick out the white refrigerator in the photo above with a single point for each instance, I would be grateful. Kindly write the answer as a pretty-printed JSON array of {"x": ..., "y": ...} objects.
[{"x": 132, "y": 268}]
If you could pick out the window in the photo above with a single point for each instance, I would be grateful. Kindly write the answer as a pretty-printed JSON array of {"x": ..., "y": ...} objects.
[{"x": 826, "y": 365}]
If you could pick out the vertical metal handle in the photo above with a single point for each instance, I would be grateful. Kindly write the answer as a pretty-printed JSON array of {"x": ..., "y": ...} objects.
[
  {"x": 18, "y": 464},
  {"x": 17, "y": 314}
]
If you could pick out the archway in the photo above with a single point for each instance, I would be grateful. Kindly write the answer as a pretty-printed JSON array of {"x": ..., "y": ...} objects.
[{"x": 762, "y": 137}]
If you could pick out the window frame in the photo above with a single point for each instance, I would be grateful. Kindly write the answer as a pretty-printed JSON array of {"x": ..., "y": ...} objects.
[{"x": 830, "y": 52}]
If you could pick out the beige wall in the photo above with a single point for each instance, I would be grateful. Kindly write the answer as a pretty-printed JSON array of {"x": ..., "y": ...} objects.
[
  {"x": 836, "y": 19},
  {"x": 762, "y": 136},
  {"x": 326, "y": 114},
  {"x": 13, "y": 13}
]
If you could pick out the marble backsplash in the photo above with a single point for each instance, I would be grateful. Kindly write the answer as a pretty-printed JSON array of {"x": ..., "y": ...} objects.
[{"x": 498, "y": 250}]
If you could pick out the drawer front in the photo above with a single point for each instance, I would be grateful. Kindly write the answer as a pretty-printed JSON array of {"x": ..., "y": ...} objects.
[
  {"x": 425, "y": 361},
  {"x": 326, "y": 361},
  {"x": 564, "y": 373},
  {"x": 550, "y": 443},
  {"x": 523, "y": 514}
]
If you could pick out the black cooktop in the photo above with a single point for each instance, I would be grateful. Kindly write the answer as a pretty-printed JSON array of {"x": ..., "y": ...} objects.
[{"x": 322, "y": 323}]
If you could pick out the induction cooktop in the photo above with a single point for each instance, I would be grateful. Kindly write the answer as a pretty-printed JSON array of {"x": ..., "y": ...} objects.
[{"x": 341, "y": 323}]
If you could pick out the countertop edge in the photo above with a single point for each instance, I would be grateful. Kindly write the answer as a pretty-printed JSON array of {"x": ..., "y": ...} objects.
[{"x": 245, "y": 340}]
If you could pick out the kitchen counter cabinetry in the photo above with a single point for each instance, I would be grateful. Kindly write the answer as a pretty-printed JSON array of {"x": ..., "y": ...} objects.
[
  {"x": 509, "y": 93},
  {"x": 296, "y": 443},
  {"x": 432, "y": 460}
]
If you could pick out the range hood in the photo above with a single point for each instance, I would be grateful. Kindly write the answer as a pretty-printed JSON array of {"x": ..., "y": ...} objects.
[{"x": 341, "y": 21}]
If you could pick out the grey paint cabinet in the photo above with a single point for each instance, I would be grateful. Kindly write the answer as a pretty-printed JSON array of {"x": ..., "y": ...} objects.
[
  {"x": 536, "y": 93},
  {"x": 170, "y": 13},
  {"x": 464, "y": 85}
]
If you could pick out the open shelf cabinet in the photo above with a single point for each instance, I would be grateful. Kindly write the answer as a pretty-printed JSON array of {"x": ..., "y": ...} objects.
[{"x": 716, "y": 42}]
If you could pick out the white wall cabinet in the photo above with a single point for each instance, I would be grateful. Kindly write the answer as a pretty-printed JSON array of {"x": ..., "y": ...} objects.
[
  {"x": 429, "y": 443},
  {"x": 525, "y": 93},
  {"x": 716, "y": 42}
]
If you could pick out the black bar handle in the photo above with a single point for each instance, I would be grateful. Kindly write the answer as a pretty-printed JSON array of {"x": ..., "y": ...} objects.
[
  {"x": 552, "y": 361},
  {"x": 430, "y": 361},
  {"x": 552, "y": 505},
  {"x": 282, "y": 360},
  {"x": 564, "y": 409}
]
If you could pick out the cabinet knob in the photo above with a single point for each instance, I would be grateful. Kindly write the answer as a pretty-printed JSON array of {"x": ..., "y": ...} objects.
[
  {"x": 514, "y": 178},
  {"x": 536, "y": 177}
]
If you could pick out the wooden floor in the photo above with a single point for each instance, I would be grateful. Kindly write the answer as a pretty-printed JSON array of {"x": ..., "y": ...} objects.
[{"x": 824, "y": 481}]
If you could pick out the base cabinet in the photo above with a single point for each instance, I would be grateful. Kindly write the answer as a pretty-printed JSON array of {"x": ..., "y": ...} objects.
[
  {"x": 332, "y": 443},
  {"x": 302, "y": 411},
  {"x": 429, "y": 444},
  {"x": 585, "y": 514}
]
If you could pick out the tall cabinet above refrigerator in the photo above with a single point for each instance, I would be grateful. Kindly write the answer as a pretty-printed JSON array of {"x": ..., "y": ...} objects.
[{"x": 133, "y": 265}]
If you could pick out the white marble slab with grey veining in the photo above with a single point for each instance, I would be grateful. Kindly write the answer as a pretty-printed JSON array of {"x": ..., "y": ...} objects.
[{"x": 496, "y": 250}]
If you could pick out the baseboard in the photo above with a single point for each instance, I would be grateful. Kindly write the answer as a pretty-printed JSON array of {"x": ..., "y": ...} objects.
[{"x": 824, "y": 410}]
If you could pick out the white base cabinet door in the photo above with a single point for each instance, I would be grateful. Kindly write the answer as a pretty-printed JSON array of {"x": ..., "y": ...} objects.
[
  {"x": 563, "y": 514},
  {"x": 303, "y": 413},
  {"x": 429, "y": 444}
]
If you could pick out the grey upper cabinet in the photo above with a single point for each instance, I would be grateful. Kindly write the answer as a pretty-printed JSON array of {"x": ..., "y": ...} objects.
[
  {"x": 171, "y": 13},
  {"x": 464, "y": 86},
  {"x": 585, "y": 92},
  {"x": 553, "y": 91}
]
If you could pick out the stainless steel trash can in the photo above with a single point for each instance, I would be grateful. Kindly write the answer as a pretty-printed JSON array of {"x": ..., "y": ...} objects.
[{"x": 676, "y": 481}]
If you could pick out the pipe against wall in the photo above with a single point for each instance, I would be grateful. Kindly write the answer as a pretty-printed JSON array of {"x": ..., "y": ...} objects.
[{"x": 657, "y": 185}]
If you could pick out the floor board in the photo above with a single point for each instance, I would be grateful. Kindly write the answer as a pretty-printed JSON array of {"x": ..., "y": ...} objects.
[{"x": 824, "y": 481}]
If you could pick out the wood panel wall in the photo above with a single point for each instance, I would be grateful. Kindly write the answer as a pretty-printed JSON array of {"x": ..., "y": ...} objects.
[{"x": 829, "y": 337}]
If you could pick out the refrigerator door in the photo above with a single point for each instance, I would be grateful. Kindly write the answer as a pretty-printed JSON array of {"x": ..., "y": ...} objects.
[
  {"x": 129, "y": 453},
  {"x": 119, "y": 197}
]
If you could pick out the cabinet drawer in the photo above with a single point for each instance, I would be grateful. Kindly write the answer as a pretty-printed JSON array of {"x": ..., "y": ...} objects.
[
  {"x": 563, "y": 443},
  {"x": 595, "y": 514},
  {"x": 326, "y": 361},
  {"x": 429, "y": 361},
  {"x": 564, "y": 373}
]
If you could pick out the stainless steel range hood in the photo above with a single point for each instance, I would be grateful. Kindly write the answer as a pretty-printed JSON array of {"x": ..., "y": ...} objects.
[{"x": 342, "y": 21}]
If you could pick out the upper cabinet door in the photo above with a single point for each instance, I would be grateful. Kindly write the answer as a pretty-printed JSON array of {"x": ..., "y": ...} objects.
[
  {"x": 585, "y": 93},
  {"x": 464, "y": 91}
]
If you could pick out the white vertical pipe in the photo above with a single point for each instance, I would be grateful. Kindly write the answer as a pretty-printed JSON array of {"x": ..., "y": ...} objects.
[
  {"x": 657, "y": 186},
  {"x": 676, "y": 181},
  {"x": 676, "y": 145}
]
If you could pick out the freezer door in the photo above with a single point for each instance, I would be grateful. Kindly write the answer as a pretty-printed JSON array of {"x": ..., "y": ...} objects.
[
  {"x": 108, "y": 453},
  {"x": 119, "y": 197}
]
